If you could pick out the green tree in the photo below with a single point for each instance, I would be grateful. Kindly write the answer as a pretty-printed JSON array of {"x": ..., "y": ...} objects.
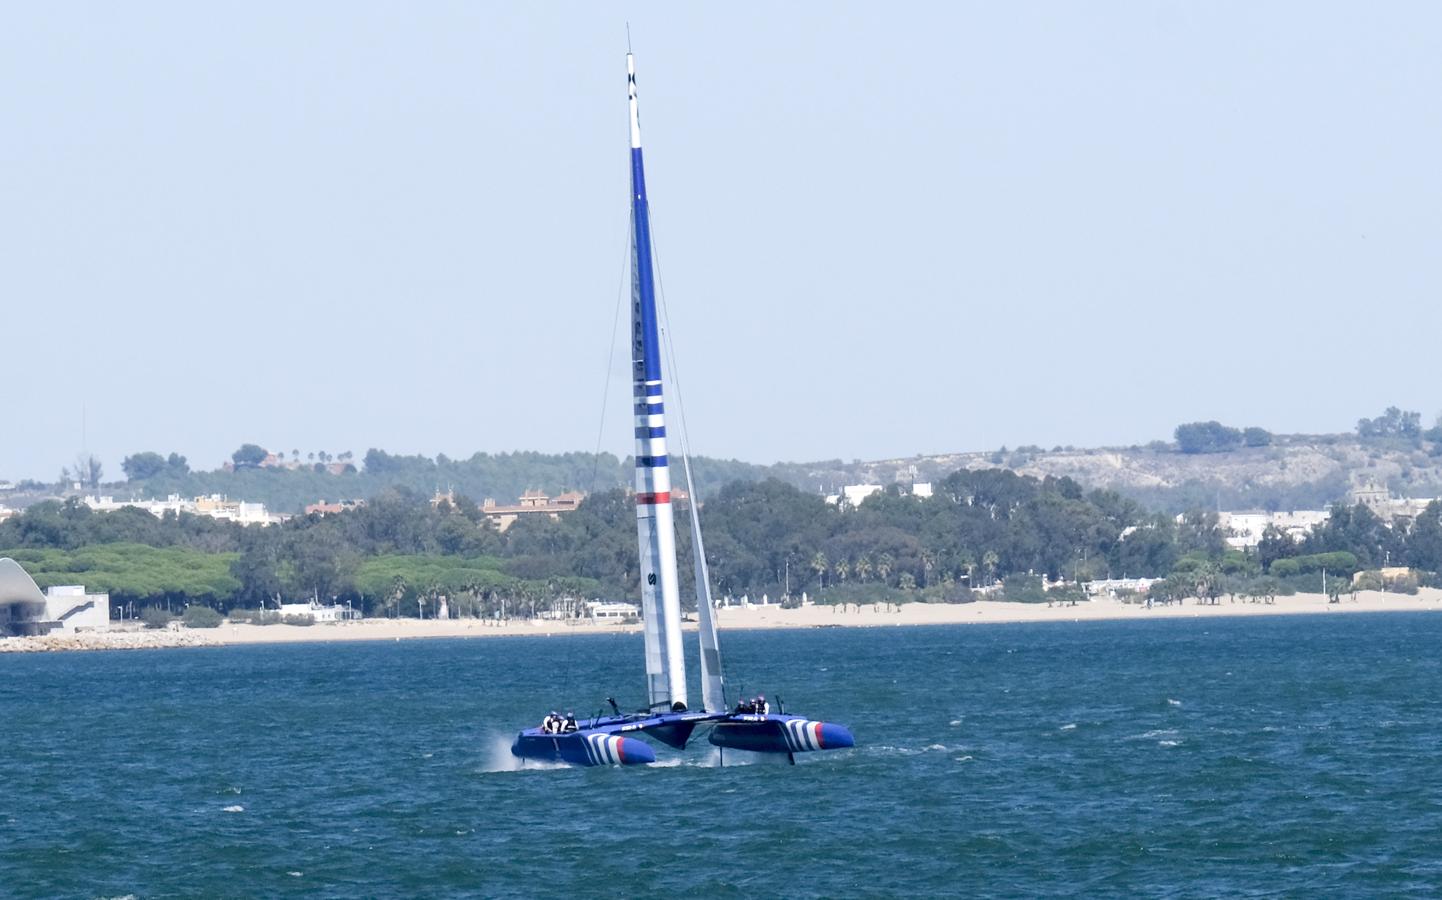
[
  {"x": 140, "y": 466},
  {"x": 1023, "y": 588},
  {"x": 1392, "y": 423},
  {"x": 249, "y": 456},
  {"x": 1207, "y": 437},
  {"x": 1256, "y": 437},
  {"x": 199, "y": 616},
  {"x": 156, "y": 617}
]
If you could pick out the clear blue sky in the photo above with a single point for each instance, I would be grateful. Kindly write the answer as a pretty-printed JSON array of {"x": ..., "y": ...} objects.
[{"x": 884, "y": 228}]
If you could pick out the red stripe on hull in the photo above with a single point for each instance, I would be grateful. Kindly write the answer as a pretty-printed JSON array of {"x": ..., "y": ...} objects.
[{"x": 653, "y": 499}]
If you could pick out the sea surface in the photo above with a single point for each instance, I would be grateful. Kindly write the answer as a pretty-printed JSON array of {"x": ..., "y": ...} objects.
[{"x": 1285, "y": 756}]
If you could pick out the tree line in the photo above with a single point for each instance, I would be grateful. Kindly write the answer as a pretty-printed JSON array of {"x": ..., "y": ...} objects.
[
  {"x": 400, "y": 553},
  {"x": 305, "y": 478}
]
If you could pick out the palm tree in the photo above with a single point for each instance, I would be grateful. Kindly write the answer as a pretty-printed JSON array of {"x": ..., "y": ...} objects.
[
  {"x": 819, "y": 565},
  {"x": 928, "y": 562},
  {"x": 863, "y": 567},
  {"x": 989, "y": 561},
  {"x": 884, "y": 564},
  {"x": 841, "y": 570}
]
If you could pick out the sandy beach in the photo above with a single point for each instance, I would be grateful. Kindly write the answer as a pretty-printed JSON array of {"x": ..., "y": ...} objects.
[{"x": 734, "y": 618}]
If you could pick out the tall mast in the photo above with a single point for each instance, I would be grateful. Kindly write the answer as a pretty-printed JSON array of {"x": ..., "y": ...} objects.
[{"x": 660, "y": 592}]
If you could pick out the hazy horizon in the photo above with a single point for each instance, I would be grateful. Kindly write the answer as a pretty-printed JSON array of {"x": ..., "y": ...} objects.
[{"x": 923, "y": 228}]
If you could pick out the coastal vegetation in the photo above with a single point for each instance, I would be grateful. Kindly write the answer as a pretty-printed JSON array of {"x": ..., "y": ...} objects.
[{"x": 402, "y": 554}]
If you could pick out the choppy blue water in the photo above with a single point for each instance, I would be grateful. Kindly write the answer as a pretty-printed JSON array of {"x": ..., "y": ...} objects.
[{"x": 1282, "y": 756}]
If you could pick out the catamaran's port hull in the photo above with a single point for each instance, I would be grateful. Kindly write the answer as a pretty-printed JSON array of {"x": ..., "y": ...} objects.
[{"x": 582, "y": 748}]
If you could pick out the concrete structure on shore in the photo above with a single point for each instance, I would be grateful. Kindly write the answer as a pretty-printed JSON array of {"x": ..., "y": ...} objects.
[{"x": 24, "y": 610}]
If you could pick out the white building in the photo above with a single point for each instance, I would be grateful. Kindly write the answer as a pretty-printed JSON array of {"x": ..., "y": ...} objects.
[
  {"x": 216, "y": 506},
  {"x": 77, "y": 610},
  {"x": 1113, "y": 586},
  {"x": 332, "y": 613},
  {"x": 608, "y": 611},
  {"x": 851, "y": 495},
  {"x": 1244, "y": 529}
]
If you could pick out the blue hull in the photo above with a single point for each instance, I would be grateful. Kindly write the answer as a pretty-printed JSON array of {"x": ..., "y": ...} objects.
[
  {"x": 779, "y": 734},
  {"x": 582, "y": 748},
  {"x": 602, "y": 742}
]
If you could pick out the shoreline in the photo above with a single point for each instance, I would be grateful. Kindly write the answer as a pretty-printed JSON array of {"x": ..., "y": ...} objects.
[{"x": 982, "y": 612}]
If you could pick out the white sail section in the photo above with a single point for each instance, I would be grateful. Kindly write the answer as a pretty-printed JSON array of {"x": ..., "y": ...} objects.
[{"x": 713, "y": 688}]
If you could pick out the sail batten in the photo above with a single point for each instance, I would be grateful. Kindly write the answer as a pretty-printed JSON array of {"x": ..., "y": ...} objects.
[{"x": 655, "y": 524}]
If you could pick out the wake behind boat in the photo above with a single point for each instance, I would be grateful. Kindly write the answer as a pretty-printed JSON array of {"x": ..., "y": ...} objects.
[{"x": 667, "y": 718}]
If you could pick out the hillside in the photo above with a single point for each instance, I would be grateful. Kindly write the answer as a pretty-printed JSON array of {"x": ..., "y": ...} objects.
[
  {"x": 1219, "y": 468},
  {"x": 1294, "y": 472}
]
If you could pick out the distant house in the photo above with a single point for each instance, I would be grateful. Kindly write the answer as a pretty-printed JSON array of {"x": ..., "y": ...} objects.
[
  {"x": 215, "y": 506},
  {"x": 851, "y": 495},
  {"x": 532, "y": 503},
  {"x": 1388, "y": 508},
  {"x": 1244, "y": 529},
  {"x": 323, "y": 508}
]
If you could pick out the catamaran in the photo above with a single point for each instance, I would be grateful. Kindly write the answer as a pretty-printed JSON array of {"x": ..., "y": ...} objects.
[{"x": 667, "y": 717}]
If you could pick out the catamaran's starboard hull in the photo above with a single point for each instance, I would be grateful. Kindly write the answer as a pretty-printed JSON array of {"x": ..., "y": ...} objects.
[
  {"x": 582, "y": 748},
  {"x": 779, "y": 734}
]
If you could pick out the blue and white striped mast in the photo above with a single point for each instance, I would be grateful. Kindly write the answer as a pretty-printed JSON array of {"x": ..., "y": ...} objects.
[{"x": 660, "y": 591}]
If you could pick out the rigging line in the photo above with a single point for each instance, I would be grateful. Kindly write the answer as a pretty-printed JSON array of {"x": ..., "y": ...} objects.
[
  {"x": 610, "y": 360},
  {"x": 605, "y": 397}
]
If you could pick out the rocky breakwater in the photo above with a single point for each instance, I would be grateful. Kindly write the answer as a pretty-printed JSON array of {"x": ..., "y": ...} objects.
[{"x": 107, "y": 640}]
